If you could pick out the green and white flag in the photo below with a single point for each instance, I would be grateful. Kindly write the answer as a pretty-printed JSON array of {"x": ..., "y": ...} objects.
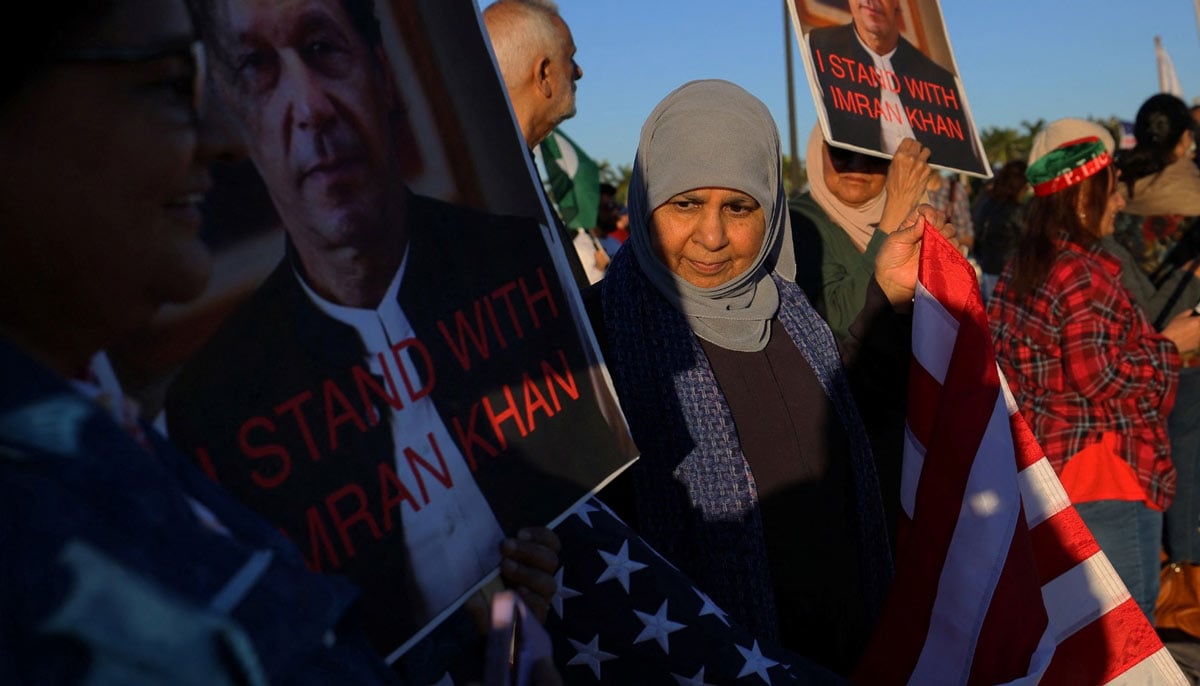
[{"x": 574, "y": 180}]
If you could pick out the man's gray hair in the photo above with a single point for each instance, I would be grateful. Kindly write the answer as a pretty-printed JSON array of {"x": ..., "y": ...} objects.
[{"x": 521, "y": 31}]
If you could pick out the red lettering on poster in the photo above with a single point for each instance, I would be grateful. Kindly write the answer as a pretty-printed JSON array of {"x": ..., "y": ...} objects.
[
  {"x": 336, "y": 523},
  {"x": 565, "y": 380},
  {"x": 534, "y": 400},
  {"x": 319, "y": 541},
  {"x": 534, "y": 297},
  {"x": 415, "y": 346},
  {"x": 293, "y": 405},
  {"x": 510, "y": 413},
  {"x": 476, "y": 336},
  {"x": 505, "y": 293},
  {"x": 931, "y": 92},
  {"x": 206, "y": 463},
  {"x": 364, "y": 381},
  {"x": 470, "y": 438},
  {"x": 841, "y": 100},
  {"x": 393, "y": 493},
  {"x": 835, "y": 66},
  {"x": 927, "y": 122},
  {"x": 278, "y": 471},
  {"x": 915, "y": 91},
  {"x": 348, "y": 414},
  {"x": 491, "y": 310},
  {"x": 414, "y": 459},
  {"x": 360, "y": 513}
]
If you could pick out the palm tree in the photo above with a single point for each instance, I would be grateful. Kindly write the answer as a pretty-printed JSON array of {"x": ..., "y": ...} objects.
[
  {"x": 1001, "y": 144},
  {"x": 1032, "y": 129}
]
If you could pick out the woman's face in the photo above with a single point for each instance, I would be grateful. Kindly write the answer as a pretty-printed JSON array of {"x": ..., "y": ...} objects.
[
  {"x": 1112, "y": 205},
  {"x": 1186, "y": 147},
  {"x": 104, "y": 162},
  {"x": 707, "y": 236},
  {"x": 852, "y": 177}
]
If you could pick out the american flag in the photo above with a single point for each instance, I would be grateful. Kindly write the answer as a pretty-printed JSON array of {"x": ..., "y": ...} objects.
[
  {"x": 624, "y": 615},
  {"x": 998, "y": 580}
]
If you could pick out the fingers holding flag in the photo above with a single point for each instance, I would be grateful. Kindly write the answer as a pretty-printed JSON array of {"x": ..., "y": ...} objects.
[{"x": 898, "y": 258}]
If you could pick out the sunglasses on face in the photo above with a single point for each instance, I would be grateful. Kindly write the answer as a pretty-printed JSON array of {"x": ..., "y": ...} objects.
[
  {"x": 843, "y": 159},
  {"x": 192, "y": 52}
]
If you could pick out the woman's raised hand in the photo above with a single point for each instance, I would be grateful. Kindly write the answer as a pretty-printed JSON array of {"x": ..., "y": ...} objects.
[{"x": 907, "y": 177}]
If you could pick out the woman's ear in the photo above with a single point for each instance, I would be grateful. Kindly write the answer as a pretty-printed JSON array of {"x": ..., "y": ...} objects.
[
  {"x": 1186, "y": 147},
  {"x": 1081, "y": 203}
]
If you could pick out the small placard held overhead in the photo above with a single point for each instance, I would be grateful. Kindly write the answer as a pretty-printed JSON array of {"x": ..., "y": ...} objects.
[{"x": 881, "y": 71}]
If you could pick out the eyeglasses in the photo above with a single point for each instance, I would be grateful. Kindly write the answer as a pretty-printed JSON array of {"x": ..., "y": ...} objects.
[{"x": 193, "y": 52}]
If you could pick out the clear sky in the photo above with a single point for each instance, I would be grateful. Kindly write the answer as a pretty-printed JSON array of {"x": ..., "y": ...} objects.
[{"x": 1019, "y": 59}]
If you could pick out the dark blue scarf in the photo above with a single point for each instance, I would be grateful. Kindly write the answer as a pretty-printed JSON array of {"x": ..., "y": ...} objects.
[{"x": 696, "y": 498}]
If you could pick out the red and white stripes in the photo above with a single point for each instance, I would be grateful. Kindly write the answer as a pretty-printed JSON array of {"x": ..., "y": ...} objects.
[{"x": 997, "y": 578}]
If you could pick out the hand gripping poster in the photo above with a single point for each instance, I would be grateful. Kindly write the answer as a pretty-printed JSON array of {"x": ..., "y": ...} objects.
[
  {"x": 390, "y": 364},
  {"x": 881, "y": 71}
]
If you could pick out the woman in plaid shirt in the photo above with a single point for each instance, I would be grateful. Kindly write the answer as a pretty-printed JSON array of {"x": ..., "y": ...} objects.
[{"x": 1092, "y": 376}]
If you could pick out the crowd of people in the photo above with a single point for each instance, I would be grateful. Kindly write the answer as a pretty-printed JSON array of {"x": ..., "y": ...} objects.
[{"x": 758, "y": 346}]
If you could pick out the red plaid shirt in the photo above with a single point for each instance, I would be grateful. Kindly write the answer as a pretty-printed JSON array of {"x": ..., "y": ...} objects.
[{"x": 1082, "y": 360}]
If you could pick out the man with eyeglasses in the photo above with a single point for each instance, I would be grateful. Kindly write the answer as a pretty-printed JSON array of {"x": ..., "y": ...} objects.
[
  {"x": 413, "y": 495},
  {"x": 122, "y": 562}
]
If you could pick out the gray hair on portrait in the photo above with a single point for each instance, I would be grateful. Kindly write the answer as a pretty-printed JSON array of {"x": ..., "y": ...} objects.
[{"x": 521, "y": 31}]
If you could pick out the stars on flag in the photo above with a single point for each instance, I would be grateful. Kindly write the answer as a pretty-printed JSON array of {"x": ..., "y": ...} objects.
[
  {"x": 657, "y": 628},
  {"x": 619, "y": 566},
  {"x": 697, "y": 680},
  {"x": 585, "y": 511},
  {"x": 589, "y": 654},
  {"x": 654, "y": 631},
  {"x": 710, "y": 608},
  {"x": 756, "y": 663},
  {"x": 563, "y": 593}
]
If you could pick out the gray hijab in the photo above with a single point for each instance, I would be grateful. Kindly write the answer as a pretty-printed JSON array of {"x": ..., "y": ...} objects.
[{"x": 715, "y": 134}]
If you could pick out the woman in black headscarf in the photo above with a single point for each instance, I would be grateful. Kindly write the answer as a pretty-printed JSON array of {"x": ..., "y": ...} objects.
[{"x": 756, "y": 476}]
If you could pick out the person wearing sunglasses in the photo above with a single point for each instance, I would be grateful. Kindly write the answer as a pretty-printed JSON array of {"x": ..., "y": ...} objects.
[
  {"x": 123, "y": 563},
  {"x": 854, "y": 201},
  {"x": 853, "y": 204}
]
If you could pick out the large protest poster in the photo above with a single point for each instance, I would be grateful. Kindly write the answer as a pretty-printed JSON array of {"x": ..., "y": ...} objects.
[
  {"x": 392, "y": 363},
  {"x": 881, "y": 71}
]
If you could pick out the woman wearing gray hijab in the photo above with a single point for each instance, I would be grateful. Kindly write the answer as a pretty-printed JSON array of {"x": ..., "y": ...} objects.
[{"x": 756, "y": 477}]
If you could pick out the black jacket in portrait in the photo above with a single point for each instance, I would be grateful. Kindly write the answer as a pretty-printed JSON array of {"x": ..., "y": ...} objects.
[
  {"x": 856, "y": 126},
  {"x": 273, "y": 407}
]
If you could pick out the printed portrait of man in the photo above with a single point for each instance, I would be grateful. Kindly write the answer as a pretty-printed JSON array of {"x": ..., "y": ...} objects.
[
  {"x": 407, "y": 387},
  {"x": 878, "y": 89}
]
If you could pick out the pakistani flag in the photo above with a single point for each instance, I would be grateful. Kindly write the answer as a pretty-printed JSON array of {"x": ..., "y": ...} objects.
[{"x": 574, "y": 180}]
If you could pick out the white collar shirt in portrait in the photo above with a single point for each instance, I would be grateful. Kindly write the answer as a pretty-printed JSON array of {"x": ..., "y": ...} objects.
[
  {"x": 454, "y": 541},
  {"x": 893, "y": 120}
]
